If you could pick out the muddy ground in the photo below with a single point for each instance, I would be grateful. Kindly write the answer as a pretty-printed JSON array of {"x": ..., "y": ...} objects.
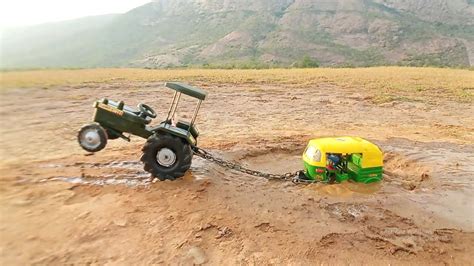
[{"x": 61, "y": 205}]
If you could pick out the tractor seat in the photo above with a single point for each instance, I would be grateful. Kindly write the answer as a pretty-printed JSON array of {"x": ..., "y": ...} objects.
[
  {"x": 147, "y": 120},
  {"x": 126, "y": 108},
  {"x": 131, "y": 110}
]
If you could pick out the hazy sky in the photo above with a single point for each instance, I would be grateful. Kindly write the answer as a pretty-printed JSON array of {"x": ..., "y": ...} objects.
[{"x": 26, "y": 12}]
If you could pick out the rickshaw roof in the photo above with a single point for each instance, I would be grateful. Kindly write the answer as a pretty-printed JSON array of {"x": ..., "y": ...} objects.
[
  {"x": 187, "y": 89},
  {"x": 345, "y": 145}
]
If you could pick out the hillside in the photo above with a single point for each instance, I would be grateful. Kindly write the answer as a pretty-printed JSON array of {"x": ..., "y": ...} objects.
[{"x": 168, "y": 33}]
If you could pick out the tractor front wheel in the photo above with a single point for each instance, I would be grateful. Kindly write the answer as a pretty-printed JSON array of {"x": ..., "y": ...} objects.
[
  {"x": 166, "y": 156},
  {"x": 92, "y": 137}
]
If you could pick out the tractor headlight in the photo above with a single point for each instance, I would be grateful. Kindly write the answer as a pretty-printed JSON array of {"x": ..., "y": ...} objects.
[{"x": 313, "y": 154}]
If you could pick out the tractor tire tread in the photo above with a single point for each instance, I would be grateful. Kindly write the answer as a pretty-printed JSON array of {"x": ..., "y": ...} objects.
[{"x": 180, "y": 147}]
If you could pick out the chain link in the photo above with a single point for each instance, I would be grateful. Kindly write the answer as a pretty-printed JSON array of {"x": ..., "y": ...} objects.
[{"x": 293, "y": 176}]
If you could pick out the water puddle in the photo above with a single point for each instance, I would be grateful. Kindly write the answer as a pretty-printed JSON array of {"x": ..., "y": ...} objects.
[
  {"x": 453, "y": 205},
  {"x": 449, "y": 194},
  {"x": 135, "y": 175},
  {"x": 98, "y": 181},
  {"x": 453, "y": 164},
  {"x": 130, "y": 165}
]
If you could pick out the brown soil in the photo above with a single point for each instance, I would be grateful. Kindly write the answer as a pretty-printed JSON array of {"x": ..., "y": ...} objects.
[{"x": 61, "y": 205}]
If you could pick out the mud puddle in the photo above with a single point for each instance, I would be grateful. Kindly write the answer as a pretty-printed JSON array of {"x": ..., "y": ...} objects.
[
  {"x": 281, "y": 162},
  {"x": 451, "y": 164},
  {"x": 418, "y": 171},
  {"x": 131, "y": 173},
  {"x": 440, "y": 174},
  {"x": 436, "y": 177}
]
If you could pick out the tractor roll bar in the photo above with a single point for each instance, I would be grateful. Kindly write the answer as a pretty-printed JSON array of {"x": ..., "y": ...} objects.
[
  {"x": 174, "y": 105},
  {"x": 195, "y": 114},
  {"x": 179, "y": 89}
]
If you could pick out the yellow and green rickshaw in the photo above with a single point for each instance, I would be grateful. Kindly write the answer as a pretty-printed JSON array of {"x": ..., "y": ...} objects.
[{"x": 342, "y": 158}]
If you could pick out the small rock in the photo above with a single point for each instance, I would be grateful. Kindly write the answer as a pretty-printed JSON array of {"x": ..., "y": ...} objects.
[
  {"x": 223, "y": 231},
  {"x": 275, "y": 261},
  {"x": 82, "y": 215},
  {"x": 206, "y": 226},
  {"x": 408, "y": 243},
  {"x": 409, "y": 185},
  {"x": 425, "y": 176},
  {"x": 120, "y": 222},
  {"x": 445, "y": 239},
  {"x": 197, "y": 255},
  {"x": 22, "y": 202},
  {"x": 388, "y": 104}
]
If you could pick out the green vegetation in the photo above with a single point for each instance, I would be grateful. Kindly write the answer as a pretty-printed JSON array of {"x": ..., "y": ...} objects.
[
  {"x": 450, "y": 59},
  {"x": 307, "y": 62}
]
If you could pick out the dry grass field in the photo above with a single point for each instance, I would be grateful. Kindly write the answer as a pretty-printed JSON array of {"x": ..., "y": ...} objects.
[
  {"x": 458, "y": 83},
  {"x": 60, "y": 205}
]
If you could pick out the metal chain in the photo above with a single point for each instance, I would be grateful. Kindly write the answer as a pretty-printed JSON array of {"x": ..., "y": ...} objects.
[{"x": 293, "y": 176}]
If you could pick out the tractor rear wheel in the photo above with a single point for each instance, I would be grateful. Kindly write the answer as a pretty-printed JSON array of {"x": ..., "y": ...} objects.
[
  {"x": 166, "y": 156},
  {"x": 92, "y": 137}
]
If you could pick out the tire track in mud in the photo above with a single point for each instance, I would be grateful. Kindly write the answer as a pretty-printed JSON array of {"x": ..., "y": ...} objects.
[
  {"x": 387, "y": 231},
  {"x": 128, "y": 173}
]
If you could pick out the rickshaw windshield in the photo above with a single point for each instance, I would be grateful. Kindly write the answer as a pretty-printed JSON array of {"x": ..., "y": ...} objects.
[{"x": 313, "y": 153}]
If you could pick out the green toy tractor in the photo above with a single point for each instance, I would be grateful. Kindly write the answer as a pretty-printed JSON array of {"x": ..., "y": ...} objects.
[{"x": 167, "y": 153}]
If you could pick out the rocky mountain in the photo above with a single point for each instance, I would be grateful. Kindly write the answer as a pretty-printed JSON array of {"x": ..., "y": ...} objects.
[{"x": 250, "y": 33}]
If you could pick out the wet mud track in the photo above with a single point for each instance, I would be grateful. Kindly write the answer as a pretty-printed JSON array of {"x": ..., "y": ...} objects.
[{"x": 62, "y": 206}]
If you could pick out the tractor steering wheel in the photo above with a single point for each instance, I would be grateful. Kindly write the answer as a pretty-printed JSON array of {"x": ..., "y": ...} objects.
[{"x": 147, "y": 110}]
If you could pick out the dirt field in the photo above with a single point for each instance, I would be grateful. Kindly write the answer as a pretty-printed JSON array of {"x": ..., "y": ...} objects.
[{"x": 61, "y": 205}]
